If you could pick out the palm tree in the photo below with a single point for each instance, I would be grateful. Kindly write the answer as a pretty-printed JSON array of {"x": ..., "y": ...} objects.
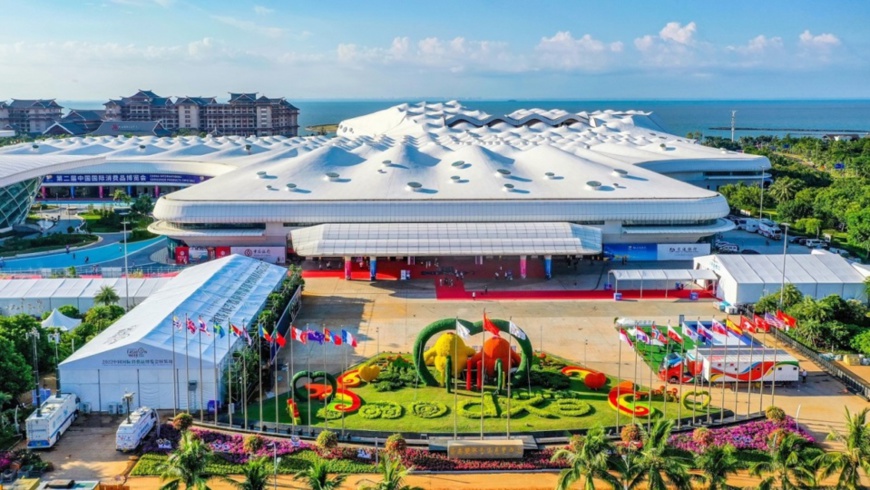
[
  {"x": 588, "y": 462},
  {"x": 394, "y": 474},
  {"x": 717, "y": 462},
  {"x": 256, "y": 473},
  {"x": 791, "y": 463},
  {"x": 107, "y": 296},
  {"x": 316, "y": 477},
  {"x": 187, "y": 464},
  {"x": 628, "y": 473},
  {"x": 662, "y": 467},
  {"x": 785, "y": 188},
  {"x": 856, "y": 455}
]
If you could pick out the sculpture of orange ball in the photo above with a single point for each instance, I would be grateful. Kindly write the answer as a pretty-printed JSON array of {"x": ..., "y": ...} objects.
[{"x": 497, "y": 348}]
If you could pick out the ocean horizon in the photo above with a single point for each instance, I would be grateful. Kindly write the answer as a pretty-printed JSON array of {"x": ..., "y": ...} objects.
[{"x": 711, "y": 117}]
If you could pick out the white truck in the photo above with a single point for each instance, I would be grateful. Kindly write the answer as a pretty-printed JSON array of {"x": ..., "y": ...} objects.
[
  {"x": 46, "y": 425},
  {"x": 743, "y": 364},
  {"x": 134, "y": 428},
  {"x": 747, "y": 224},
  {"x": 769, "y": 229}
]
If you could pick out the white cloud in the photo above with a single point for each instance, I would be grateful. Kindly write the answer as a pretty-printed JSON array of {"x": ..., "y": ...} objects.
[
  {"x": 677, "y": 33},
  {"x": 822, "y": 41},
  {"x": 260, "y": 10},
  {"x": 143, "y": 3},
  {"x": 564, "y": 51},
  {"x": 456, "y": 55},
  {"x": 249, "y": 26}
]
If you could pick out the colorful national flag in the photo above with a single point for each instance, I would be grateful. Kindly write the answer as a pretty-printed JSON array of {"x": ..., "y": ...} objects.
[
  {"x": 746, "y": 324},
  {"x": 219, "y": 330},
  {"x": 315, "y": 336},
  {"x": 348, "y": 338},
  {"x": 336, "y": 339},
  {"x": 203, "y": 328},
  {"x": 705, "y": 332},
  {"x": 236, "y": 330},
  {"x": 761, "y": 324},
  {"x": 191, "y": 326},
  {"x": 719, "y": 328},
  {"x": 265, "y": 334},
  {"x": 327, "y": 335},
  {"x": 641, "y": 336},
  {"x": 733, "y": 328},
  {"x": 657, "y": 334},
  {"x": 787, "y": 319},
  {"x": 771, "y": 319},
  {"x": 462, "y": 331},
  {"x": 517, "y": 332},
  {"x": 489, "y": 326},
  {"x": 279, "y": 339},
  {"x": 673, "y": 335},
  {"x": 176, "y": 323},
  {"x": 247, "y": 336},
  {"x": 298, "y": 335},
  {"x": 623, "y": 336},
  {"x": 691, "y": 333}
]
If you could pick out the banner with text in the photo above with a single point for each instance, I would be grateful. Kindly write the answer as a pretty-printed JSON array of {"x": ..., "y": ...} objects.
[{"x": 272, "y": 255}]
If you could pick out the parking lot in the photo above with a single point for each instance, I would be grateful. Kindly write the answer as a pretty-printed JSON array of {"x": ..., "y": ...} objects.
[{"x": 753, "y": 241}]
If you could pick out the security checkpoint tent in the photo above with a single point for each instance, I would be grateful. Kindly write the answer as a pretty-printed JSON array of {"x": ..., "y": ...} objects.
[
  {"x": 744, "y": 279},
  {"x": 60, "y": 321},
  {"x": 659, "y": 278},
  {"x": 143, "y": 353}
]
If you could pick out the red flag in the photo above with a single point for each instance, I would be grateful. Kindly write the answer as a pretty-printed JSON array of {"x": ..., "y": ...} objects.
[
  {"x": 761, "y": 324},
  {"x": 327, "y": 336},
  {"x": 298, "y": 335},
  {"x": 280, "y": 339},
  {"x": 746, "y": 324},
  {"x": 787, "y": 319},
  {"x": 673, "y": 335},
  {"x": 489, "y": 326}
]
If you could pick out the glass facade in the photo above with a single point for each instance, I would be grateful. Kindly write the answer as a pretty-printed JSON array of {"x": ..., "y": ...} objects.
[{"x": 15, "y": 202}]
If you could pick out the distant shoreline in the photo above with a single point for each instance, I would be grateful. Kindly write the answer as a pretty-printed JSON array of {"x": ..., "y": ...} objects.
[{"x": 797, "y": 130}]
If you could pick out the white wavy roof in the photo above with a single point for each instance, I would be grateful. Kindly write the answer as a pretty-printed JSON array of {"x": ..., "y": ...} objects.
[{"x": 15, "y": 168}]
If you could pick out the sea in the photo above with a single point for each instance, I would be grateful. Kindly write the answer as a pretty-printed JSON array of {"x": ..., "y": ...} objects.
[{"x": 680, "y": 117}]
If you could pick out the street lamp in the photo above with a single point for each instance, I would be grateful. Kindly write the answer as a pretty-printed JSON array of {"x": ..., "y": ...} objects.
[
  {"x": 126, "y": 270},
  {"x": 127, "y": 398},
  {"x": 784, "y": 255},
  {"x": 33, "y": 335}
]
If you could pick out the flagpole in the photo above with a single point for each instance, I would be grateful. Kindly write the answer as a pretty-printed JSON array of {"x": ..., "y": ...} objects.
[
  {"x": 695, "y": 375},
  {"x": 482, "y": 375},
  {"x": 751, "y": 369},
  {"x": 308, "y": 395},
  {"x": 346, "y": 369},
  {"x": 710, "y": 377},
  {"x": 618, "y": 380},
  {"x": 187, "y": 360},
  {"x": 724, "y": 368},
  {"x": 229, "y": 376},
  {"x": 683, "y": 364},
  {"x": 507, "y": 378},
  {"x": 275, "y": 363},
  {"x": 245, "y": 381},
  {"x": 649, "y": 353},
  {"x": 260, "y": 371},
  {"x": 773, "y": 381},
  {"x": 290, "y": 372},
  {"x": 325, "y": 400},
  {"x": 201, "y": 377},
  {"x": 737, "y": 379},
  {"x": 174, "y": 371},
  {"x": 453, "y": 380},
  {"x": 667, "y": 353},
  {"x": 215, "y": 375},
  {"x": 763, "y": 362},
  {"x": 634, "y": 378}
]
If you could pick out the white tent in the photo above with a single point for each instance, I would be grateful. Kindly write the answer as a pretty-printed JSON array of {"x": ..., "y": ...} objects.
[
  {"x": 746, "y": 278},
  {"x": 40, "y": 296},
  {"x": 144, "y": 353},
  {"x": 60, "y": 321}
]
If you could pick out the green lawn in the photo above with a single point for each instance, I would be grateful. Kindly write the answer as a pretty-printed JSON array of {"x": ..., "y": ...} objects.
[
  {"x": 540, "y": 418},
  {"x": 149, "y": 464}
]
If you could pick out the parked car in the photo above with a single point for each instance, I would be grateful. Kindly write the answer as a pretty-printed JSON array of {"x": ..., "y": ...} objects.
[
  {"x": 813, "y": 243},
  {"x": 749, "y": 251},
  {"x": 728, "y": 248}
]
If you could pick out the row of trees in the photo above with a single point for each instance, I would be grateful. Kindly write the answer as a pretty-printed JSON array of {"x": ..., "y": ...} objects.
[
  {"x": 791, "y": 462},
  {"x": 827, "y": 324},
  {"x": 808, "y": 190}
]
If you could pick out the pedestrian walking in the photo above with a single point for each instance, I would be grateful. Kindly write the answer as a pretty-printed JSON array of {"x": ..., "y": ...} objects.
[
  {"x": 87, "y": 259},
  {"x": 473, "y": 295},
  {"x": 67, "y": 249},
  {"x": 486, "y": 290},
  {"x": 804, "y": 375}
]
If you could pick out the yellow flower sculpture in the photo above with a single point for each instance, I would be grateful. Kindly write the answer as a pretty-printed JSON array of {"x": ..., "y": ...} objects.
[{"x": 448, "y": 344}]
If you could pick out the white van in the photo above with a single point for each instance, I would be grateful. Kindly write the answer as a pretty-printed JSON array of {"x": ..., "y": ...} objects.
[
  {"x": 813, "y": 243},
  {"x": 130, "y": 434},
  {"x": 747, "y": 224}
]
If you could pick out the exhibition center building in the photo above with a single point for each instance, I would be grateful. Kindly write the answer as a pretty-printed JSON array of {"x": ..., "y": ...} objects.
[{"x": 431, "y": 180}]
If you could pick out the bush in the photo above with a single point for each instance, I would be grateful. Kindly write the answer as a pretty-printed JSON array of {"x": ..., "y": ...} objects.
[
  {"x": 381, "y": 410},
  {"x": 702, "y": 437},
  {"x": 428, "y": 410},
  {"x": 182, "y": 421},
  {"x": 575, "y": 442},
  {"x": 549, "y": 379},
  {"x": 253, "y": 443},
  {"x": 571, "y": 407},
  {"x": 630, "y": 434},
  {"x": 775, "y": 414},
  {"x": 327, "y": 440},
  {"x": 328, "y": 414},
  {"x": 395, "y": 444}
]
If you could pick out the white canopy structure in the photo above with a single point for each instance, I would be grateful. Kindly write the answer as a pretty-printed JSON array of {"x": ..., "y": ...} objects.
[
  {"x": 60, "y": 321},
  {"x": 159, "y": 359},
  {"x": 660, "y": 278},
  {"x": 39, "y": 296},
  {"x": 746, "y": 278}
]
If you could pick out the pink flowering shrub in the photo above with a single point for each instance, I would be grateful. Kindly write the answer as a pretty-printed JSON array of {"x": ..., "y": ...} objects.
[
  {"x": 430, "y": 461},
  {"x": 230, "y": 447},
  {"x": 751, "y": 435}
]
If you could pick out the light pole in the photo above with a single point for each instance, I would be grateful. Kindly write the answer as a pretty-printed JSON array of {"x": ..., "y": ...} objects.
[
  {"x": 55, "y": 337},
  {"x": 33, "y": 335},
  {"x": 126, "y": 271},
  {"x": 127, "y": 398},
  {"x": 784, "y": 255},
  {"x": 585, "y": 345},
  {"x": 761, "y": 204}
]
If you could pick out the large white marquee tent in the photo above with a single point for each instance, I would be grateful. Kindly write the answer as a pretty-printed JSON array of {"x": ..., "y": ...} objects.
[
  {"x": 746, "y": 278},
  {"x": 39, "y": 296},
  {"x": 144, "y": 353}
]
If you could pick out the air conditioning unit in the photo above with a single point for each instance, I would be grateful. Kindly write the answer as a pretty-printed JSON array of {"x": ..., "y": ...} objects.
[
  {"x": 86, "y": 408},
  {"x": 113, "y": 408}
]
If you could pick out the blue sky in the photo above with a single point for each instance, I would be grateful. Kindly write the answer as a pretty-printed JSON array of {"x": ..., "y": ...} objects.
[{"x": 456, "y": 49}]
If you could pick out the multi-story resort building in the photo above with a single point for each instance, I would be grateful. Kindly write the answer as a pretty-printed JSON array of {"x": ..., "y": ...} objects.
[
  {"x": 245, "y": 114},
  {"x": 29, "y": 116}
]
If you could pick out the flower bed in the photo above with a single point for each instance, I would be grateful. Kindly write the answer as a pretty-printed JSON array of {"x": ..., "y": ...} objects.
[
  {"x": 751, "y": 435},
  {"x": 423, "y": 460},
  {"x": 231, "y": 447}
]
